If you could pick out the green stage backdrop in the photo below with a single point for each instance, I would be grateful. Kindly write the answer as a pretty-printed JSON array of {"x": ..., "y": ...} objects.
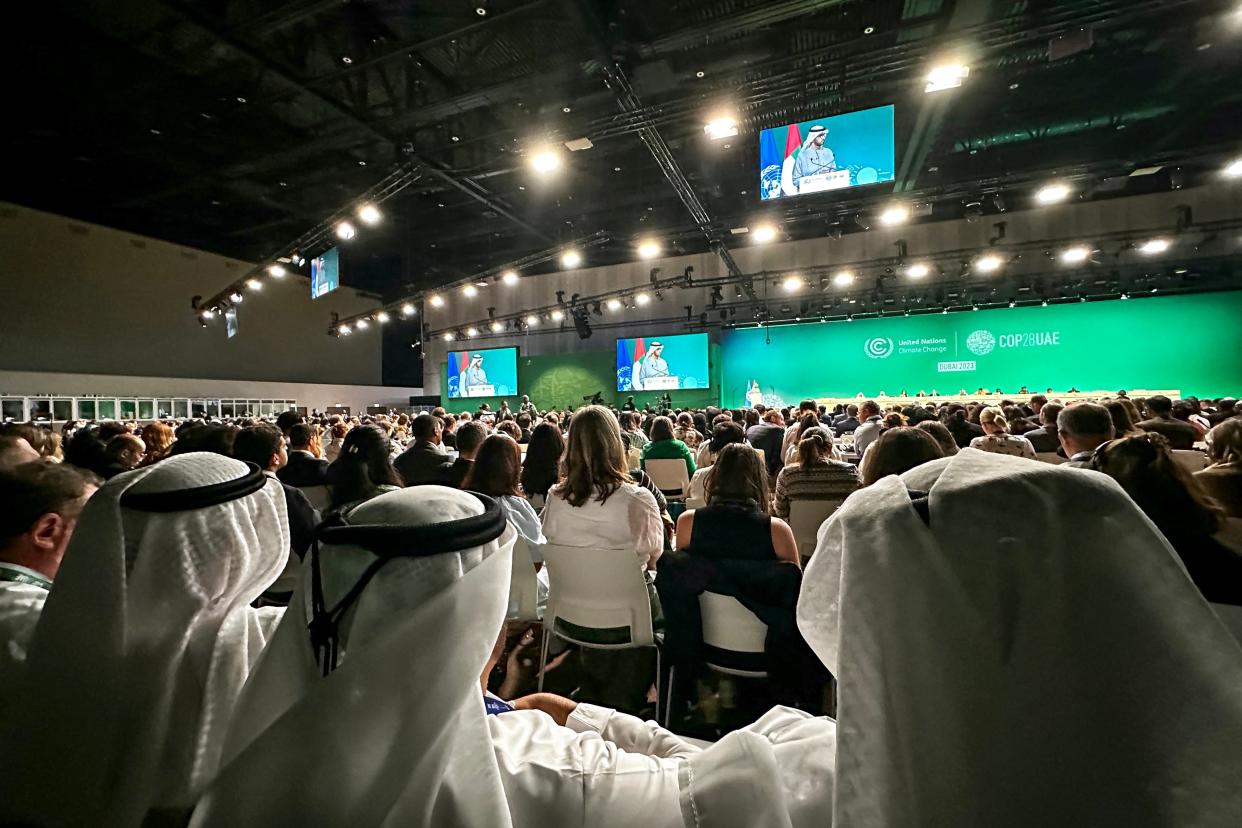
[
  {"x": 560, "y": 380},
  {"x": 1177, "y": 342}
]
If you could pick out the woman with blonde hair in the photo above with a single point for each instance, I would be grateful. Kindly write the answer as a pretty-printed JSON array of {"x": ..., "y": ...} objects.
[
  {"x": 158, "y": 438},
  {"x": 996, "y": 437},
  {"x": 815, "y": 475}
]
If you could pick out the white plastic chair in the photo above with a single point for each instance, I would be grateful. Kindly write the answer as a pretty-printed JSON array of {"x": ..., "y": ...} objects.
[
  {"x": 805, "y": 518},
  {"x": 597, "y": 588},
  {"x": 523, "y": 585},
  {"x": 1051, "y": 457},
  {"x": 730, "y": 633},
  {"x": 1192, "y": 461},
  {"x": 670, "y": 476}
]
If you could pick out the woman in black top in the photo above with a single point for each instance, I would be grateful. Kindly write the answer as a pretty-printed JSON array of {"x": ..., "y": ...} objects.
[
  {"x": 736, "y": 522},
  {"x": 542, "y": 466}
]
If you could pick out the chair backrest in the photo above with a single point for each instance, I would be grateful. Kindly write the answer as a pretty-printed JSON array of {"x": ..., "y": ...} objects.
[
  {"x": 598, "y": 588},
  {"x": 669, "y": 475},
  {"x": 805, "y": 518},
  {"x": 634, "y": 457},
  {"x": 732, "y": 630},
  {"x": 1051, "y": 457},
  {"x": 523, "y": 585},
  {"x": 1190, "y": 460},
  {"x": 1231, "y": 535},
  {"x": 319, "y": 497}
]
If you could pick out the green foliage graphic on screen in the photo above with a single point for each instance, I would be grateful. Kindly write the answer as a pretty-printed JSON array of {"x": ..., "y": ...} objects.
[
  {"x": 1152, "y": 344},
  {"x": 482, "y": 373},
  {"x": 662, "y": 363}
]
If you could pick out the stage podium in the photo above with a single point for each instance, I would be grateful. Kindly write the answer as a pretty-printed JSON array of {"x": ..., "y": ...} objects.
[
  {"x": 834, "y": 180},
  {"x": 660, "y": 384},
  {"x": 488, "y": 390}
]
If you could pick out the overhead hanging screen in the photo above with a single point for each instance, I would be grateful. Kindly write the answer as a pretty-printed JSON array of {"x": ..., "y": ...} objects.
[
  {"x": 850, "y": 150},
  {"x": 662, "y": 363},
  {"x": 325, "y": 273},
  {"x": 485, "y": 372}
]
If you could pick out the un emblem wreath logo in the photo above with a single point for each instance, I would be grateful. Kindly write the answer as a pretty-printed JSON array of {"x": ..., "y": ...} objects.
[
  {"x": 879, "y": 347},
  {"x": 981, "y": 342}
]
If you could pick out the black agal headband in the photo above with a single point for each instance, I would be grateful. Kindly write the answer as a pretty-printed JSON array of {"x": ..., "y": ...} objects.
[{"x": 388, "y": 542}]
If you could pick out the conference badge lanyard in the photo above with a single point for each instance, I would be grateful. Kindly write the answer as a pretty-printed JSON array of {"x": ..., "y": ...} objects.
[{"x": 22, "y": 575}]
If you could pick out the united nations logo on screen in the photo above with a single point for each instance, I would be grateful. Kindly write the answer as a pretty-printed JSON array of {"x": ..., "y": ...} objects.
[
  {"x": 981, "y": 342},
  {"x": 879, "y": 347}
]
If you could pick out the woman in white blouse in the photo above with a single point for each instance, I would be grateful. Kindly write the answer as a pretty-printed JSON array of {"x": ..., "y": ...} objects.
[
  {"x": 997, "y": 439},
  {"x": 597, "y": 503}
]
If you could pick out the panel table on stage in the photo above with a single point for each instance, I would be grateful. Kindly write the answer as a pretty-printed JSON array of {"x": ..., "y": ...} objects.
[{"x": 994, "y": 399}]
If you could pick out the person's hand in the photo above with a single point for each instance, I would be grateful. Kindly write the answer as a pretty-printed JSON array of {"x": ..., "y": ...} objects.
[{"x": 558, "y": 707}]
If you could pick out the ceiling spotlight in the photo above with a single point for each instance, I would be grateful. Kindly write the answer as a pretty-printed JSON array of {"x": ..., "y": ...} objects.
[
  {"x": 1012, "y": 303},
  {"x": 1052, "y": 193},
  {"x": 1125, "y": 295},
  {"x": 363, "y": 324},
  {"x": 276, "y": 270},
  {"x": 207, "y": 314},
  {"x": 571, "y": 258},
  {"x": 1075, "y": 255},
  {"x": 532, "y": 321},
  {"x": 614, "y": 304},
  {"x": 557, "y": 315},
  {"x": 845, "y": 277},
  {"x": 407, "y": 309},
  {"x": 764, "y": 233},
  {"x": 437, "y": 301},
  {"x": 343, "y": 329},
  {"x": 369, "y": 214},
  {"x": 480, "y": 11},
  {"x": 946, "y": 76},
  {"x": 497, "y": 327},
  {"x": 1154, "y": 247},
  {"x": 642, "y": 298},
  {"x": 1234, "y": 168},
  {"x": 345, "y": 231},
  {"x": 988, "y": 263},
  {"x": 718, "y": 128},
  {"x": 791, "y": 284},
  {"x": 918, "y": 270},
  {"x": 700, "y": 74},
  {"x": 545, "y": 161},
  {"x": 236, "y": 296},
  {"x": 1044, "y": 304},
  {"x": 469, "y": 291},
  {"x": 472, "y": 331},
  {"x": 382, "y": 317},
  {"x": 448, "y": 336},
  {"x": 896, "y": 214},
  {"x": 254, "y": 284},
  {"x": 509, "y": 277},
  {"x": 648, "y": 249},
  {"x": 346, "y": 59}
]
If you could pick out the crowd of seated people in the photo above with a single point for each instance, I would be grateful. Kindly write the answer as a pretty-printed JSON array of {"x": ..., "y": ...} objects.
[{"x": 273, "y": 491}]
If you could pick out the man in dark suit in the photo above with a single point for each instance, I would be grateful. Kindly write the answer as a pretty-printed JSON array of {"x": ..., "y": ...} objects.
[
  {"x": 264, "y": 446},
  {"x": 1044, "y": 438},
  {"x": 848, "y": 422},
  {"x": 469, "y": 437},
  {"x": 768, "y": 435},
  {"x": 303, "y": 468},
  {"x": 1228, "y": 407},
  {"x": 1181, "y": 435},
  {"x": 421, "y": 462}
]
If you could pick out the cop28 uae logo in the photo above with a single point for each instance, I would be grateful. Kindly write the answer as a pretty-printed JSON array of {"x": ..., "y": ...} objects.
[
  {"x": 878, "y": 347},
  {"x": 981, "y": 342}
]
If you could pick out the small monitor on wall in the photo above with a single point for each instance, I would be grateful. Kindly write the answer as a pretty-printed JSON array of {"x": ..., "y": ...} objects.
[
  {"x": 483, "y": 372},
  {"x": 325, "y": 272},
  {"x": 662, "y": 363},
  {"x": 849, "y": 150}
]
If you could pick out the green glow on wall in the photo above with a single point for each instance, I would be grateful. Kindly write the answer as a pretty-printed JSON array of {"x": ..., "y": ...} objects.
[{"x": 1186, "y": 343}]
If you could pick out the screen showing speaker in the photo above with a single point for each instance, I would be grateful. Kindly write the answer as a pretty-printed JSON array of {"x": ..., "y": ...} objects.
[
  {"x": 325, "y": 272},
  {"x": 663, "y": 363},
  {"x": 485, "y": 372},
  {"x": 849, "y": 150}
]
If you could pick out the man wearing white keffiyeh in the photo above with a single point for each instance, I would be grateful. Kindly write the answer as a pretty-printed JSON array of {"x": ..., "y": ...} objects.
[{"x": 144, "y": 644}]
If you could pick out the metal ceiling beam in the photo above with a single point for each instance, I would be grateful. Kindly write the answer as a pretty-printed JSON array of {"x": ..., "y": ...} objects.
[{"x": 285, "y": 76}]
